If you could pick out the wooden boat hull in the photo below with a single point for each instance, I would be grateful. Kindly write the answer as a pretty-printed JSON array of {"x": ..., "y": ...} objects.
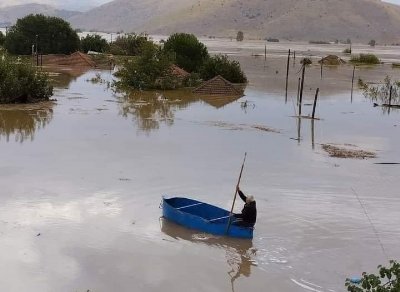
[{"x": 203, "y": 217}]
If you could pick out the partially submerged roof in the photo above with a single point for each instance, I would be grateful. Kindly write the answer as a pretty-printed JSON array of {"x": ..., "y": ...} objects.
[
  {"x": 179, "y": 72},
  {"x": 332, "y": 60},
  {"x": 76, "y": 59},
  {"x": 218, "y": 86}
]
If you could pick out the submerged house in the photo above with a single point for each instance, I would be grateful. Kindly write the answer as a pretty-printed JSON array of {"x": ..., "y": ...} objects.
[
  {"x": 76, "y": 59},
  {"x": 219, "y": 92},
  {"x": 219, "y": 86},
  {"x": 332, "y": 60}
]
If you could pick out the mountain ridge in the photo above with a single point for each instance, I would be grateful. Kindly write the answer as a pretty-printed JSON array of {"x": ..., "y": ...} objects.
[
  {"x": 10, "y": 14},
  {"x": 285, "y": 19},
  {"x": 325, "y": 20}
]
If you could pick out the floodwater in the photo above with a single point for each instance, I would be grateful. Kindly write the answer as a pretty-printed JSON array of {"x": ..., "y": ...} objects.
[{"x": 82, "y": 179}]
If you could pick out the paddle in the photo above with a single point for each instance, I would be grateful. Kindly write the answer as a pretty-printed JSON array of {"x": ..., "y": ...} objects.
[{"x": 234, "y": 198}]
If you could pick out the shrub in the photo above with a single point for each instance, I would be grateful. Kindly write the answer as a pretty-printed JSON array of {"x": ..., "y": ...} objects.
[
  {"x": 94, "y": 43},
  {"x": 388, "y": 280},
  {"x": 151, "y": 70},
  {"x": 240, "y": 36},
  {"x": 306, "y": 61},
  {"x": 347, "y": 51},
  {"x": 192, "y": 80},
  {"x": 319, "y": 42},
  {"x": 372, "y": 43},
  {"x": 190, "y": 54},
  {"x": 381, "y": 92},
  {"x": 53, "y": 35},
  {"x": 21, "y": 83},
  {"x": 365, "y": 59},
  {"x": 221, "y": 65},
  {"x": 130, "y": 45},
  {"x": 2, "y": 39}
]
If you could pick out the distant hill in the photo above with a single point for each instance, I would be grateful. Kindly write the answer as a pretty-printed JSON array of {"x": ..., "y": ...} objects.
[
  {"x": 9, "y": 15},
  {"x": 359, "y": 20},
  {"x": 317, "y": 20}
]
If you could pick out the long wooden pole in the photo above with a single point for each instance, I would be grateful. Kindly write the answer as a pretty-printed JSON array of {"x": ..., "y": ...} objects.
[
  {"x": 234, "y": 198},
  {"x": 352, "y": 84},
  {"x": 302, "y": 88},
  {"x": 322, "y": 64},
  {"x": 390, "y": 96},
  {"x": 298, "y": 91},
  {"x": 315, "y": 103},
  {"x": 287, "y": 75}
]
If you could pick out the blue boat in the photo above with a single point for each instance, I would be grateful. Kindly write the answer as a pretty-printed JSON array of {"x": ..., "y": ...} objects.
[{"x": 201, "y": 216}]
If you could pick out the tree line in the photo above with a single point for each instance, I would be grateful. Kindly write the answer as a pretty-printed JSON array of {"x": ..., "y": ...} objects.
[{"x": 150, "y": 66}]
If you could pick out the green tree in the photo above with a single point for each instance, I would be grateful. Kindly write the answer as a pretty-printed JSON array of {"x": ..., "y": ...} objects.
[
  {"x": 365, "y": 59},
  {"x": 190, "y": 54},
  {"x": 152, "y": 69},
  {"x": 372, "y": 43},
  {"x": 388, "y": 280},
  {"x": 94, "y": 43},
  {"x": 240, "y": 36},
  {"x": 221, "y": 65},
  {"x": 130, "y": 45},
  {"x": 52, "y": 35},
  {"x": 2, "y": 39},
  {"x": 21, "y": 83}
]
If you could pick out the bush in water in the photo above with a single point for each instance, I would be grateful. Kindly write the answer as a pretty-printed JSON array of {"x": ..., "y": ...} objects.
[
  {"x": 388, "y": 280},
  {"x": 21, "y": 83},
  {"x": 221, "y": 65},
  {"x": 190, "y": 54}
]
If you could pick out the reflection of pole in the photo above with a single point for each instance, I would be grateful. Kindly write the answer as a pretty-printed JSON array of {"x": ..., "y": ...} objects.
[
  {"x": 299, "y": 130},
  {"x": 312, "y": 135}
]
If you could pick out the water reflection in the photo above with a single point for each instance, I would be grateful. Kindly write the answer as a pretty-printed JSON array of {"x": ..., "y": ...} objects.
[
  {"x": 219, "y": 101},
  {"x": 239, "y": 252},
  {"x": 150, "y": 109},
  {"x": 22, "y": 121},
  {"x": 62, "y": 77},
  {"x": 387, "y": 110},
  {"x": 299, "y": 131}
]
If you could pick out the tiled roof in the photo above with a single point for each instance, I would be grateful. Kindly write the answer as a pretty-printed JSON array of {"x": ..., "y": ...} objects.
[
  {"x": 218, "y": 86},
  {"x": 76, "y": 59},
  {"x": 179, "y": 72}
]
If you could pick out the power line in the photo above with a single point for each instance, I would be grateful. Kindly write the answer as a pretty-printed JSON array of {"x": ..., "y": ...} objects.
[{"x": 372, "y": 224}]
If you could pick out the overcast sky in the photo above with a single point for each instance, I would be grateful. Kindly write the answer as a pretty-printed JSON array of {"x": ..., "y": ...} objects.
[
  {"x": 65, "y": 4},
  {"x": 80, "y": 4}
]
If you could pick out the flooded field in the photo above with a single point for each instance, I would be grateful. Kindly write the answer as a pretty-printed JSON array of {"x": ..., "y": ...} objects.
[{"x": 82, "y": 179}]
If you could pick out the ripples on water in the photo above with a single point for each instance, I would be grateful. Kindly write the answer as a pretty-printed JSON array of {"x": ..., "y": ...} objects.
[{"x": 88, "y": 181}]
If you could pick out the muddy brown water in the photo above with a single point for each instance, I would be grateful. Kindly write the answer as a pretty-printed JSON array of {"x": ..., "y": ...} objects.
[{"x": 81, "y": 182}]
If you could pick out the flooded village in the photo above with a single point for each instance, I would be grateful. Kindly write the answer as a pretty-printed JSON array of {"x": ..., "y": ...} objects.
[{"x": 83, "y": 174}]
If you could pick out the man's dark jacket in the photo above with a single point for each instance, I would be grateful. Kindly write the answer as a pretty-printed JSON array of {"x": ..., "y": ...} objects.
[{"x": 249, "y": 212}]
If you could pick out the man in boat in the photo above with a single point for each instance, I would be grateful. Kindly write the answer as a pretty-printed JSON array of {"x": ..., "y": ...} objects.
[{"x": 248, "y": 216}]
